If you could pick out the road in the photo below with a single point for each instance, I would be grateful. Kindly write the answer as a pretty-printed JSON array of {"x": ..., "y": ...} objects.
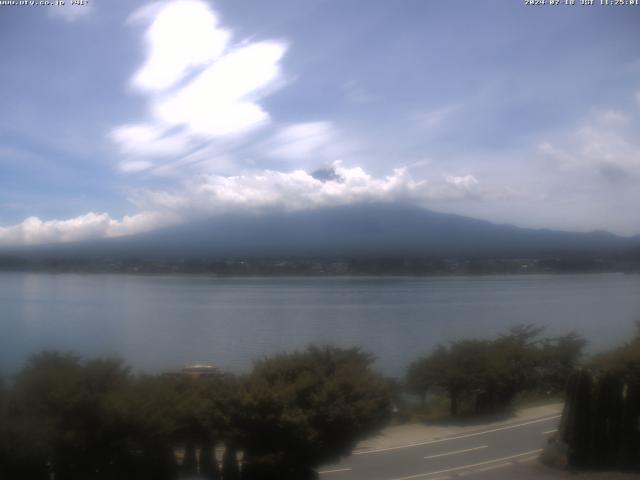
[{"x": 495, "y": 449}]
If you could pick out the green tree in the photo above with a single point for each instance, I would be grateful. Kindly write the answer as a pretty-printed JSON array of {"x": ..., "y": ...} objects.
[
  {"x": 206, "y": 409},
  {"x": 66, "y": 408},
  {"x": 149, "y": 410},
  {"x": 518, "y": 362},
  {"x": 463, "y": 370},
  {"x": 602, "y": 407},
  {"x": 423, "y": 374},
  {"x": 624, "y": 359},
  {"x": 230, "y": 470},
  {"x": 558, "y": 358},
  {"x": 306, "y": 408},
  {"x": 487, "y": 375}
]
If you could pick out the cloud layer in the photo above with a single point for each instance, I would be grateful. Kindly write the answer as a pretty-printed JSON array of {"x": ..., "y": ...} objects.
[
  {"x": 33, "y": 230},
  {"x": 214, "y": 194}
]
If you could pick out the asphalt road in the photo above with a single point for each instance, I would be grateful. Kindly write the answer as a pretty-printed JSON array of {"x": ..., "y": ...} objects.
[{"x": 492, "y": 450}]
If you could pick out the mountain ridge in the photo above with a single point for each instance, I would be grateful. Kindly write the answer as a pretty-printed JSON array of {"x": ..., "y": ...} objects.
[{"x": 382, "y": 229}]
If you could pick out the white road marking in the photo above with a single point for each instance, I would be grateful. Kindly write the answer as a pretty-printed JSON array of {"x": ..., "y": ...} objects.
[
  {"x": 475, "y": 434},
  {"x": 550, "y": 431},
  {"x": 527, "y": 459},
  {"x": 497, "y": 466},
  {"x": 324, "y": 472},
  {"x": 456, "y": 452},
  {"x": 465, "y": 467}
]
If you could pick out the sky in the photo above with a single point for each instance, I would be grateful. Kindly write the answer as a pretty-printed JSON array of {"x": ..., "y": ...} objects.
[{"x": 118, "y": 117}]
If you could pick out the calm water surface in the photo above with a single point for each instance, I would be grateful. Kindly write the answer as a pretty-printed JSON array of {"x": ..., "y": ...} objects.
[{"x": 162, "y": 322}]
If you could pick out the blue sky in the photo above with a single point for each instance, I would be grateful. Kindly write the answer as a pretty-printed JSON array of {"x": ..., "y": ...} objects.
[{"x": 123, "y": 116}]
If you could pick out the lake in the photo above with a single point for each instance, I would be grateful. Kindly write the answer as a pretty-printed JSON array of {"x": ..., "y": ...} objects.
[{"x": 158, "y": 322}]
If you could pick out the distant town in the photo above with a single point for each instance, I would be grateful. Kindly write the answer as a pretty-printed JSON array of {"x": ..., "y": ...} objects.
[{"x": 324, "y": 266}]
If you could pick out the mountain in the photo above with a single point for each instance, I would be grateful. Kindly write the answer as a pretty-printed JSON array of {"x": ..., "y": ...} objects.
[{"x": 357, "y": 230}]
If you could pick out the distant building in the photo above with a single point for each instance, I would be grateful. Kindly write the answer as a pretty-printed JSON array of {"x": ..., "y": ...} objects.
[{"x": 195, "y": 371}]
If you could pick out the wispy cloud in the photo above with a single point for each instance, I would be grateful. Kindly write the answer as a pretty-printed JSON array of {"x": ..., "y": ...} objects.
[
  {"x": 71, "y": 11},
  {"x": 436, "y": 118},
  {"x": 199, "y": 86},
  {"x": 466, "y": 182},
  {"x": 355, "y": 94},
  {"x": 317, "y": 141},
  {"x": 603, "y": 144},
  {"x": 150, "y": 140}
]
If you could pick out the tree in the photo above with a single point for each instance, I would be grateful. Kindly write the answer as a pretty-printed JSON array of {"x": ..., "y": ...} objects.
[
  {"x": 206, "y": 409},
  {"x": 230, "y": 470},
  {"x": 602, "y": 407},
  {"x": 558, "y": 358},
  {"x": 66, "y": 410},
  {"x": 149, "y": 409},
  {"x": 489, "y": 374},
  {"x": 88, "y": 420},
  {"x": 624, "y": 359},
  {"x": 422, "y": 374},
  {"x": 306, "y": 408},
  {"x": 464, "y": 369},
  {"x": 518, "y": 359}
]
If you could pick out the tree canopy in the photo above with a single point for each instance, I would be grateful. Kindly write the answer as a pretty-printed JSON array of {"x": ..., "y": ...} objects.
[
  {"x": 95, "y": 420},
  {"x": 489, "y": 374},
  {"x": 306, "y": 408}
]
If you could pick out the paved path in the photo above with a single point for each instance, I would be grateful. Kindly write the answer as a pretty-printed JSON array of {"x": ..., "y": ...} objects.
[{"x": 445, "y": 452}]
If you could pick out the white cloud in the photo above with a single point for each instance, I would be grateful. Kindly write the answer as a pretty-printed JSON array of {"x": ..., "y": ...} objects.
[
  {"x": 182, "y": 35},
  {"x": 295, "y": 190},
  {"x": 197, "y": 83},
  {"x": 33, "y": 230},
  {"x": 299, "y": 190},
  {"x": 220, "y": 100},
  {"x": 215, "y": 194}
]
